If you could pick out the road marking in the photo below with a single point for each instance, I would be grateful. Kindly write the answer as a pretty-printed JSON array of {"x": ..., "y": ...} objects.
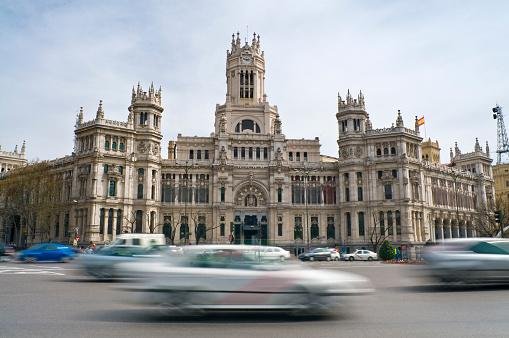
[{"x": 29, "y": 271}]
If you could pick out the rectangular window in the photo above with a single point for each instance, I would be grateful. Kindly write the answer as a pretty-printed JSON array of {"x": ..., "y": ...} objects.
[
  {"x": 113, "y": 188},
  {"x": 347, "y": 194},
  {"x": 348, "y": 224},
  {"x": 380, "y": 174},
  {"x": 290, "y": 156},
  {"x": 250, "y": 152},
  {"x": 242, "y": 153},
  {"x": 394, "y": 173},
  {"x": 360, "y": 215},
  {"x": 265, "y": 152},
  {"x": 280, "y": 195},
  {"x": 305, "y": 156},
  {"x": 206, "y": 154},
  {"x": 105, "y": 166},
  {"x": 280, "y": 229},
  {"x": 221, "y": 229},
  {"x": 198, "y": 154},
  {"x": 191, "y": 154},
  {"x": 257, "y": 153},
  {"x": 388, "y": 191},
  {"x": 222, "y": 192},
  {"x": 298, "y": 156},
  {"x": 235, "y": 152},
  {"x": 359, "y": 194}
]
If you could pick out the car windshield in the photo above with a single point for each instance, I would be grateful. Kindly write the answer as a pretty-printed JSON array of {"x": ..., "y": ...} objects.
[{"x": 38, "y": 247}]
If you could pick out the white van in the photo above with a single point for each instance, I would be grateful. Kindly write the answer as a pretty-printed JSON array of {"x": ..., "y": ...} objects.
[{"x": 144, "y": 240}]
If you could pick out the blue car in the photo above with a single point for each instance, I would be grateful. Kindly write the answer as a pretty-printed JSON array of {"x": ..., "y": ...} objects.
[{"x": 47, "y": 252}]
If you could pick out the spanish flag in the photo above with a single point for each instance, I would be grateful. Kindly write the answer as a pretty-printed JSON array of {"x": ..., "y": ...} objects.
[{"x": 420, "y": 121}]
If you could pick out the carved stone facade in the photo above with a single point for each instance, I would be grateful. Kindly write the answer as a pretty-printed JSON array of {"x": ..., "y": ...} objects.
[
  {"x": 247, "y": 182},
  {"x": 12, "y": 159}
]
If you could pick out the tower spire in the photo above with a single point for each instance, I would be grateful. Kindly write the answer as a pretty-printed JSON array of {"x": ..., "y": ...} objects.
[{"x": 100, "y": 111}]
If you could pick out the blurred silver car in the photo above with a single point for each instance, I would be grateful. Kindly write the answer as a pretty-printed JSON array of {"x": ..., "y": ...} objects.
[
  {"x": 471, "y": 260},
  {"x": 103, "y": 263},
  {"x": 228, "y": 277}
]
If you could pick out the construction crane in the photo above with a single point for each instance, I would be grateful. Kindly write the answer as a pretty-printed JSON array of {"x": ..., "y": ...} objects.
[{"x": 502, "y": 142}]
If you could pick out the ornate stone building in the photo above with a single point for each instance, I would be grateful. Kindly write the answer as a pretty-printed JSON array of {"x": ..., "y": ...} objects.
[
  {"x": 248, "y": 183},
  {"x": 12, "y": 159}
]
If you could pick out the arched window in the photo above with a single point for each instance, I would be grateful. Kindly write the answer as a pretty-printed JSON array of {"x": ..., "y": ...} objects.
[
  {"x": 121, "y": 147},
  {"x": 331, "y": 230},
  {"x": 141, "y": 171},
  {"x": 386, "y": 151},
  {"x": 378, "y": 152},
  {"x": 315, "y": 231},
  {"x": 247, "y": 125},
  {"x": 393, "y": 151},
  {"x": 107, "y": 145},
  {"x": 139, "y": 222}
]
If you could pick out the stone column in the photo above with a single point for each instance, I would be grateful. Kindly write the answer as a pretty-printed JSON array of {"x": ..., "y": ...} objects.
[{"x": 441, "y": 225}]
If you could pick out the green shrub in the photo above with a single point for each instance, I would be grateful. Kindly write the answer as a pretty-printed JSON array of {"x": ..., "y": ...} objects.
[{"x": 386, "y": 251}]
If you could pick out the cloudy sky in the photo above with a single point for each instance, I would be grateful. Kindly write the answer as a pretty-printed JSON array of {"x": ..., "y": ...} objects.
[{"x": 446, "y": 60}]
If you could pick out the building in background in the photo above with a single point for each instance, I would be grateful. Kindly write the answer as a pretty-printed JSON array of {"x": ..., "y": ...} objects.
[
  {"x": 248, "y": 183},
  {"x": 12, "y": 159}
]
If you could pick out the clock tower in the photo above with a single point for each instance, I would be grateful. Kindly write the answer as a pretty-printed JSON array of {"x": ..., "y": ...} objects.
[{"x": 245, "y": 72}]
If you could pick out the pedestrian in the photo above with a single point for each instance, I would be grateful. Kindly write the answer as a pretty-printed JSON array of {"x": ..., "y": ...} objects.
[{"x": 92, "y": 246}]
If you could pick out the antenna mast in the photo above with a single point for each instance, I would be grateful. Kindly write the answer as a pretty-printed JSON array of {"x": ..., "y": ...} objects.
[{"x": 502, "y": 141}]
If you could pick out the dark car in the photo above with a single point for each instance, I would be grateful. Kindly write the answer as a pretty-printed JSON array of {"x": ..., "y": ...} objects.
[
  {"x": 318, "y": 254},
  {"x": 47, "y": 252},
  {"x": 7, "y": 252}
]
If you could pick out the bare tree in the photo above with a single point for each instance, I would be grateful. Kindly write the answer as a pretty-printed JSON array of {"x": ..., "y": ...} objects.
[
  {"x": 30, "y": 194},
  {"x": 484, "y": 221},
  {"x": 200, "y": 228},
  {"x": 379, "y": 232},
  {"x": 129, "y": 221}
]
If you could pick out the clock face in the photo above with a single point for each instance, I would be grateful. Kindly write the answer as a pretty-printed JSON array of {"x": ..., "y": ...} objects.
[{"x": 246, "y": 59}]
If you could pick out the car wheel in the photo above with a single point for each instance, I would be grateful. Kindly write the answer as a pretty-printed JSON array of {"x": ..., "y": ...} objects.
[
  {"x": 65, "y": 259},
  {"x": 311, "y": 258},
  {"x": 350, "y": 258},
  {"x": 336, "y": 259},
  {"x": 30, "y": 259},
  {"x": 282, "y": 258},
  {"x": 328, "y": 258},
  {"x": 370, "y": 258}
]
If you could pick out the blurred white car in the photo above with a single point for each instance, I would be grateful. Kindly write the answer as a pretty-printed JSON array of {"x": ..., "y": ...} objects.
[
  {"x": 335, "y": 255},
  {"x": 226, "y": 277},
  {"x": 274, "y": 253},
  {"x": 360, "y": 255}
]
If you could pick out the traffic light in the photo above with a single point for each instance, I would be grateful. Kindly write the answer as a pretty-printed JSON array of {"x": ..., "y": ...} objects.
[{"x": 498, "y": 216}]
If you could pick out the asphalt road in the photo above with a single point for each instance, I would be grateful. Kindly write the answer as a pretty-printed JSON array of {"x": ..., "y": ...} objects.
[{"x": 47, "y": 300}]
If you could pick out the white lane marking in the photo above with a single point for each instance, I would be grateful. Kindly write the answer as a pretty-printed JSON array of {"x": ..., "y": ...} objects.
[{"x": 28, "y": 271}]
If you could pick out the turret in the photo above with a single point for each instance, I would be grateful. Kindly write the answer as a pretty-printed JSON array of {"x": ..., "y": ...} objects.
[
  {"x": 145, "y": 109},
  {"x": 245, "y": 72},
  {"x": 352, "y": 115}
]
